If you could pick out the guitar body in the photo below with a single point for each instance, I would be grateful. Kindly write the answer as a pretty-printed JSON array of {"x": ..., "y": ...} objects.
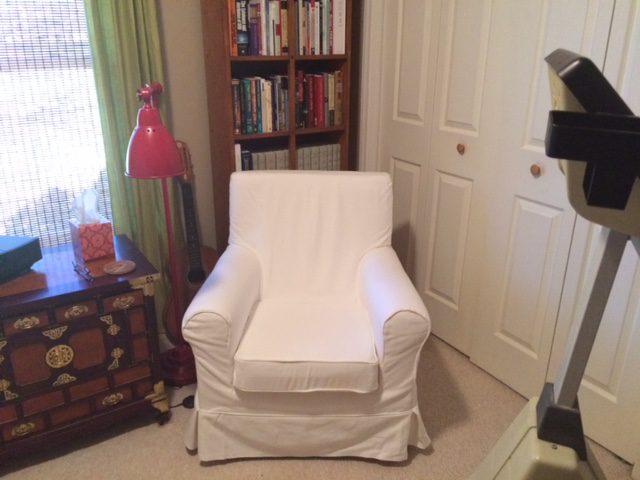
[
  {"x": 192, "y": 282},
  {"x": 198, "y": 259}
]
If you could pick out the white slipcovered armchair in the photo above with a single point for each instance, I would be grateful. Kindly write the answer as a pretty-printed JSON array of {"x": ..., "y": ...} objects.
[{"x": 307, "y": 333}]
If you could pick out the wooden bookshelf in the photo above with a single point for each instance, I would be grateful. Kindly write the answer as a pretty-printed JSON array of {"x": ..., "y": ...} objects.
[{"x": 221, "y": 67}]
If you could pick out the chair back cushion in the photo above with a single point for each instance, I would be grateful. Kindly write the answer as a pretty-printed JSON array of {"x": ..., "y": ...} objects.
[{"x": 309, "y": 230}]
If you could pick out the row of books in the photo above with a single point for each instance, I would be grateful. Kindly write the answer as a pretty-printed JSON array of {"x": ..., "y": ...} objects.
[
  {"x": 316, "y": 157},
  {"x": 318, "y": 99},
  {"x": 258, "y": 27},
  {"x": 263, "y": 160},
  {"x": 260, "y": 105},
  {"x": 321, "y": 26},
  {"x": 319, "y": 157}
]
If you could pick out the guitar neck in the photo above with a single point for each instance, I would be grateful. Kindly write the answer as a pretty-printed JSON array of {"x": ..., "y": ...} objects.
[{"x": 191, "y": 227}]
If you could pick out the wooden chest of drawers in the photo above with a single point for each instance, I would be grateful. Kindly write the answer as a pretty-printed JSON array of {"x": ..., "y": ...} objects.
[{"x": 77, "y": 352}]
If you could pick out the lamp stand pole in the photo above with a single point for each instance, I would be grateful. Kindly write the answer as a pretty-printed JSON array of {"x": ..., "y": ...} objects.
[{"x": 177, "y": 364}]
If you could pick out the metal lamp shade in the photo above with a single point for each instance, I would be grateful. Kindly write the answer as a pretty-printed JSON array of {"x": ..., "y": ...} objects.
[{"x": 152, "y": 151}]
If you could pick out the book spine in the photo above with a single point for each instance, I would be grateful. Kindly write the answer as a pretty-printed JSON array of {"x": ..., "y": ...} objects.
[
  {"x": 246, "y": 106},
  {"x": 243, "y": 30},
  {"x": 338, "y": 88},
  {"x": 245, "y": 159},
  {"x": 318, "y": 101},
  {"x": 233, "y": 29},
  {"x": 339, "y": 24},
  {"x": 325, "y": 100},
  {"x": 308, "y": 100},
  {"x": 284, "y": 20},
  {"x": 237, "y": 150},
  {"x": 258, "y": 89},
  {"x": 332, "y": 100},
  {"x": 235, "y": 96},
  {"x": 263, "y": 27}
]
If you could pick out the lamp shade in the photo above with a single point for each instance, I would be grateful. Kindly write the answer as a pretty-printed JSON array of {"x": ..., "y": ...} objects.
[{"x": 152, "y": 151}]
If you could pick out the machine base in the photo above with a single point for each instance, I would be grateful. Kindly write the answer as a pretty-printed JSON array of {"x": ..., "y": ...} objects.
[{"x": 521, "y": 455}]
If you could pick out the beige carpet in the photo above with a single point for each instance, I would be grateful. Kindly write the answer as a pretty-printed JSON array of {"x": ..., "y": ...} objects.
[{"x": 465, "y": 411}]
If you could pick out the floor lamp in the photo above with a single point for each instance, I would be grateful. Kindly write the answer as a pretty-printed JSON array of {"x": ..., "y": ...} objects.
[{"x": 153, "y": 154}]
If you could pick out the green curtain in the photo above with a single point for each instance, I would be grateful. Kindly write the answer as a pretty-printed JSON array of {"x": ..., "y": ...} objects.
[{"x": 126, "y": 50}]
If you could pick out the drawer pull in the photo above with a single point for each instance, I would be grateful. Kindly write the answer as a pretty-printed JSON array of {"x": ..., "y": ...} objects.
[
  {"x": 116, "y": 354},
  {"x": 26, "y": 323},
  {"x": 111, "y": 400},
  {"x": 75, "y": 311},
  {"x": 23, "y": 429},
  {"x": 122, "y": 303},
  {"x": 64, "y": 379}
]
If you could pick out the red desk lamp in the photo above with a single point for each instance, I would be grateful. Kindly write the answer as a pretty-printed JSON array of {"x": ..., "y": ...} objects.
[{"x": 153, "y": 154}]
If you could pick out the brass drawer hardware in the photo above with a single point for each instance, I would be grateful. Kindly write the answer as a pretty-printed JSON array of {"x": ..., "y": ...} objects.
[
  {"x": 123, "y": 303},
  {"x": 4, "y": 389},
  {"x": 75, "y": 311},
  {"x": 116, "y": 354},
  {"x": 59, "y": 356},
  {"x": 113, "y": 329},
  {"x": 26, "y": 323},
  {"x": 113, "y": 399},
  {"x": 23, "y": 429},
  {"x": 55, "y": 333},
  {"x": 64, "y": 379}
]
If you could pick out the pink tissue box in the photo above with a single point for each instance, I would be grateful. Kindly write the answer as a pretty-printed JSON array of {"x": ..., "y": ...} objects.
[{"x": 91, "y": 240}]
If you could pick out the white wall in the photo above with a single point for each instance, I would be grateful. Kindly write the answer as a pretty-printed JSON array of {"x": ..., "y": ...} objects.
[{"x": 181, "y": 31}]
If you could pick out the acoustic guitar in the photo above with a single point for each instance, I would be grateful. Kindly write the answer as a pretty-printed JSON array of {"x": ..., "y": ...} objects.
[{"x": 199, "y": 259}]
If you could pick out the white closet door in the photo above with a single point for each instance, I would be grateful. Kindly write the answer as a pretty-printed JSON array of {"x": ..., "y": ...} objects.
[
  {"x": 610, "y": 392},
  {"x": 450, "y": 256},
  {"x": 406, "y": 114},
  {"x": 520, "y": 202}
]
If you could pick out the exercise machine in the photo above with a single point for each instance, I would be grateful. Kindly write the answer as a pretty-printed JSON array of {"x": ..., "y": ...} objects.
[{"x": 596, "y": 138}]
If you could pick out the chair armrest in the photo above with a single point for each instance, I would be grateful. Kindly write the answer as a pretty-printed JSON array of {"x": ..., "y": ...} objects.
[
  {"x": 228, "y": 295},
  {"x": 392, "y": 301}
]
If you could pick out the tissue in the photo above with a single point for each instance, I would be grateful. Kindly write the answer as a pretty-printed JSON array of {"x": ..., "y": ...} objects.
[{"x": 91, "y": 233}]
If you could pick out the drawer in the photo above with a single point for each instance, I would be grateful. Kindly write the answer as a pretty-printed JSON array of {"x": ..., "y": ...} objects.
[
  {"x": 21, "y": 323},
  {"x": 70, "y": 412},
  {"x": 124, "y": 301},
  {"x": 23, "y": 428},
  {"x": 72, "y": 311}
]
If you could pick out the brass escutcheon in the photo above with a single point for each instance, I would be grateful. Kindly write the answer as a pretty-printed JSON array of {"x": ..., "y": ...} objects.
[
  {"x": 75, "y": 311},
  {"x": 122, "y": 303},
  {"x": 22, "y": 429},
  {"x": 113, "y": 399},
  {"x": 64, "y": 379},
  {"x": 59, "y": 356},
  {"x": 26, "y": 323},
  {"x": 55, "y": 333}
]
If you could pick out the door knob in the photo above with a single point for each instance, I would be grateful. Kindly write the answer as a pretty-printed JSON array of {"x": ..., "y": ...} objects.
[
  {"x": 460, "y": 148},
  {"x": 535, "y": 170}
]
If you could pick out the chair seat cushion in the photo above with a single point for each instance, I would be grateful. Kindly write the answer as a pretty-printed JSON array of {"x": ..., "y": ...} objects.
[{"x": 307, "y": 345}]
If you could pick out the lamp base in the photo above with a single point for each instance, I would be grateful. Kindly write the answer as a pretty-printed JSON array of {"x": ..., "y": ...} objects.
[{"x": 178, "y": 366}]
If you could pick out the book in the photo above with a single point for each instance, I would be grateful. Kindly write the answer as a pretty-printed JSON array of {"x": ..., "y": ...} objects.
[
  {"x": 237, "y": 150},
  {"x": 284, "y": 26},
  {"x": 339, "y": 26},
  {"x": 245, "y": 160},
  {"x": 233, "y": 30},
  {"x": 242, "y": 35},
  {"x": 338, "y": 97},
  {"x": 318, "y": 101},
  {"x": 235, "y": 99}
]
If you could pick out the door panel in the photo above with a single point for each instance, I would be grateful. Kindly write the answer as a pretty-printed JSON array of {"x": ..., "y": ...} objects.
[
  {"x": 406, "y": 114},
  {"x": 610, "y": 390},
  {"x": 528, "y": 224},
  {"x": 446, "y": 266}
]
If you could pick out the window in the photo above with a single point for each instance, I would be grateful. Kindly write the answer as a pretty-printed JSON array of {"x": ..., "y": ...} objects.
[{"x": 50, "y": 139}]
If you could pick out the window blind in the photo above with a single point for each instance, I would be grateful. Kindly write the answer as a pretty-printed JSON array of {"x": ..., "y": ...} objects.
[{"x": 50, "y": 138}]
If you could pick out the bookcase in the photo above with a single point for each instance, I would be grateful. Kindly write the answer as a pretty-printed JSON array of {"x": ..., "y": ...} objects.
[{"x": 243, "y": 56}]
